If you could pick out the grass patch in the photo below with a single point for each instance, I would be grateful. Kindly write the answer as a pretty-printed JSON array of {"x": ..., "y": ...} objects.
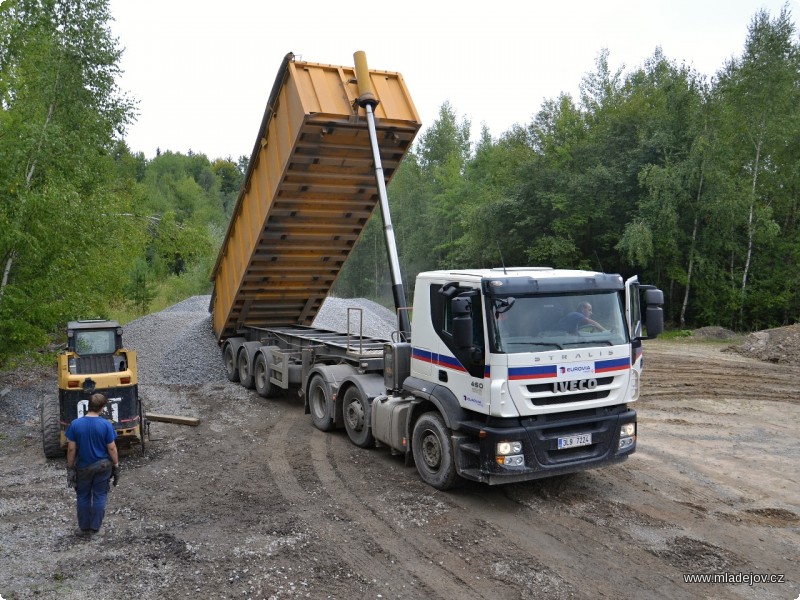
[
  {"x": 169, "y": 291},
  {"x": 676, "y": 334}
]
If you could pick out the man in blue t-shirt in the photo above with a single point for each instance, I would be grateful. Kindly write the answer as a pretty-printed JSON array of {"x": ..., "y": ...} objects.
[{"x": 92, "y": 460}]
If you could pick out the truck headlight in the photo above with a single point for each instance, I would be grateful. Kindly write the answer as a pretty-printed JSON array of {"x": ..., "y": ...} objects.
[
  {"x": 627, "y": 436},
  {"x": 513, "y": 460},
  {"x": 509, "y": 454},
  {"x": 506, "y": 448}
]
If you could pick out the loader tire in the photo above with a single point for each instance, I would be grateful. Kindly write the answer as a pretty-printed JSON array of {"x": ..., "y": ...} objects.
[
  {"x": 51, "y": 428},
  {"x": 142, "y": 428}
]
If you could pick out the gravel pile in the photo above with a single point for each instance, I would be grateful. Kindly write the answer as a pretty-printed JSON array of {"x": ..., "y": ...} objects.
[
  {"x": 168, "y": 361},
  {"x": 193, "y": 356},
  {"x": 190, "y": 357},
  {"x": 714, "y": 333},
  {"x": 779, "y": 345},
  {"x": 374, "y": 319}
]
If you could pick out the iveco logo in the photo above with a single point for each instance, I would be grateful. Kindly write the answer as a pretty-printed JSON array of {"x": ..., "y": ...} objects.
[{"x": 574, "y": 386}]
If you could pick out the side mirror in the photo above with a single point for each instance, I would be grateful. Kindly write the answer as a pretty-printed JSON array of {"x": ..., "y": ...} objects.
[
  {"x": 654, "y": 315},
  {"x": 654, "y": 321},
  {"x": 654, "y": 296}
]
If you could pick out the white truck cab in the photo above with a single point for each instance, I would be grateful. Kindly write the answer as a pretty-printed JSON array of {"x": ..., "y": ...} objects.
[{"x": 530, "y": 371}]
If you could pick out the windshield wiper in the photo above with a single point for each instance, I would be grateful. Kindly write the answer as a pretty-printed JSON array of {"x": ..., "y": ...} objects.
[
  {"x": 590, "y": 343},
  {"x": 534, "y": 344}
]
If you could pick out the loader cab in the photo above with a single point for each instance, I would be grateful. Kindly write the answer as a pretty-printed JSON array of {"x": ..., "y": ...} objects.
[
  {"x": 94, "y": 337},
  {"x": 96, "y": 345}
]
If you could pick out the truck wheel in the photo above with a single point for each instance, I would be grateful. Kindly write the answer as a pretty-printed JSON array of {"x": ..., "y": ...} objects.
[
  {"x": 231, "y": 369},
  {"x": 264, "y": 387},
  {"x": 51, "y": 428},
  {"x": 319, "y": 401},
  {"x": 433, "y": 453},
  {"x": 356, "y": 412},
  {"x": 245, "y": 369}
]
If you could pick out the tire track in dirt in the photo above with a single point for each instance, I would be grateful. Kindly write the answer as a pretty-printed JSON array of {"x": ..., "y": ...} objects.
[
  {"x": 578, "y": 551},
  {"x": 704, "y": 539},
  {"x": 567, "y": 547},
  {"x": 707, "y": 371},
  {"x": 724, "y": 476},
  {"x": 333, "y": 534},
  {"x": 421, "y": 555}
]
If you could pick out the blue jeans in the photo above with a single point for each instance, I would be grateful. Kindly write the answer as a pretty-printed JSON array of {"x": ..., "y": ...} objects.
[{"x": 92, "y": 492}]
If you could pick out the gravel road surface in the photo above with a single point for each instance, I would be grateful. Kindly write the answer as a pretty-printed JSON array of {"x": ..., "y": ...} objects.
[{"x": 257, "y": 503}]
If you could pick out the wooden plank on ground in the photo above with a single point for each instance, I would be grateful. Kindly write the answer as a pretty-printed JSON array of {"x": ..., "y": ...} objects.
[{"x": 176, "y": 419}]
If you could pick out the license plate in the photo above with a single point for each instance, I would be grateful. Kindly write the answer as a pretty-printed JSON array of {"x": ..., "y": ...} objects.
[{"x": 574, "y": 441}]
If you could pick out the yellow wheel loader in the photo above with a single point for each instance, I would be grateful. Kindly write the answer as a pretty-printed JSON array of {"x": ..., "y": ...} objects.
[{"x": 94, "y": 361}]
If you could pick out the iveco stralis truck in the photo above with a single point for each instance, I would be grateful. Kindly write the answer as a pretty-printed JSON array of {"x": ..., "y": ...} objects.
[{"x": 494, "y": 375}]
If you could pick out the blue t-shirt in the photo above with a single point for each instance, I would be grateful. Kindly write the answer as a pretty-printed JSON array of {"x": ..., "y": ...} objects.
[
  {"x": 92, "y": 435},
  {"x": 573, "y": 321}
]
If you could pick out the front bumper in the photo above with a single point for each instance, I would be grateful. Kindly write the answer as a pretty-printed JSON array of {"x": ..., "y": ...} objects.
[{"x": 475, "y": 445}]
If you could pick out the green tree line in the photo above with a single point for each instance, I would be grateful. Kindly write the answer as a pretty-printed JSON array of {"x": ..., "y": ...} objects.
[
  {"x": 87, "y": 228},
  {"x": 690, "y": 183}
]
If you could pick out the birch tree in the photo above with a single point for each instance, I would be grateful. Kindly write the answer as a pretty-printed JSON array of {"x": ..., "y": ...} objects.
[
  {"x": 758, "y": 102},
  {"x": 60, "y": 111}
]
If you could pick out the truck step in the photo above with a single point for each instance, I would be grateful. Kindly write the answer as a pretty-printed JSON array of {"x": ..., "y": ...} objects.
[{"x": 472, "y": 448}]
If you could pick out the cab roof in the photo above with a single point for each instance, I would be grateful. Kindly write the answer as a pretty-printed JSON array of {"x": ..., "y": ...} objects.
[{"x": 92, "y": 324}]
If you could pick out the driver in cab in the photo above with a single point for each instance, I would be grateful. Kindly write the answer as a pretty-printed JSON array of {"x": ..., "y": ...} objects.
[{"x": 581, "y": 317}]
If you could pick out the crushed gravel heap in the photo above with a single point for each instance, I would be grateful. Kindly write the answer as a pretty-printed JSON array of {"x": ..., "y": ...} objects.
[
  {"x": 376, "y": 320},
  {"x": 167, "y": 362},
  {"x": 779, "y": 345},
  {"x": 714, "y": 333},
  {"x": 193, "y": 356}
]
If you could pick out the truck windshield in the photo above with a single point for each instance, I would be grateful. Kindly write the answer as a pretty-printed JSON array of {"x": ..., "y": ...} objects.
[{"x": 537, "y": 323}]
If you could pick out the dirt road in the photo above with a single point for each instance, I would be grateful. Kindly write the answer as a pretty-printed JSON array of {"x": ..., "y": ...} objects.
[{"x": 256, "y": 503}]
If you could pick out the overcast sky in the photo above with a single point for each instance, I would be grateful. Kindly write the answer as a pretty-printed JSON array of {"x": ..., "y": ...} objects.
[{"x": 202, "y": 71}]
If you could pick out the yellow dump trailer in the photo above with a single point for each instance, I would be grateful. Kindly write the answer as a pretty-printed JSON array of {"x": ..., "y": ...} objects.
[{"x": 308, "y": 193}]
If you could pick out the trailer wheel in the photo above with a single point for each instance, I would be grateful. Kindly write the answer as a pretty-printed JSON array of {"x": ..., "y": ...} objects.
[
  {"x": 231, "y": 369},
  {"x": 433, "y": 454},
  {"x": 319, "y": 402},
  {"x": 51, "y": 428},
  {"x": 245, "y": 369},
  {"x": 264, "y": 387},
  {"x": 356, "y": 412}
]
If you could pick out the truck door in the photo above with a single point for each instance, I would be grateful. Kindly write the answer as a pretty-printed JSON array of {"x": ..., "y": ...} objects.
[
  {"x": 460, "y": 369},
  {"x": 633, "y": 313},
  {"x": 633, "y": 307}
]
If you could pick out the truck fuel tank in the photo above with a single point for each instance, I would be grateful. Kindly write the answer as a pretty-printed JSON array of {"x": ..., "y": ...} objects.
[{"x": 389, "y": 418}]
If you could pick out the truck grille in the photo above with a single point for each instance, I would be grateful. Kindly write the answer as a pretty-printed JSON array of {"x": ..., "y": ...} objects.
[
  {"x": 548, "y": 396},
  {"x": 567, "y": 398}
]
